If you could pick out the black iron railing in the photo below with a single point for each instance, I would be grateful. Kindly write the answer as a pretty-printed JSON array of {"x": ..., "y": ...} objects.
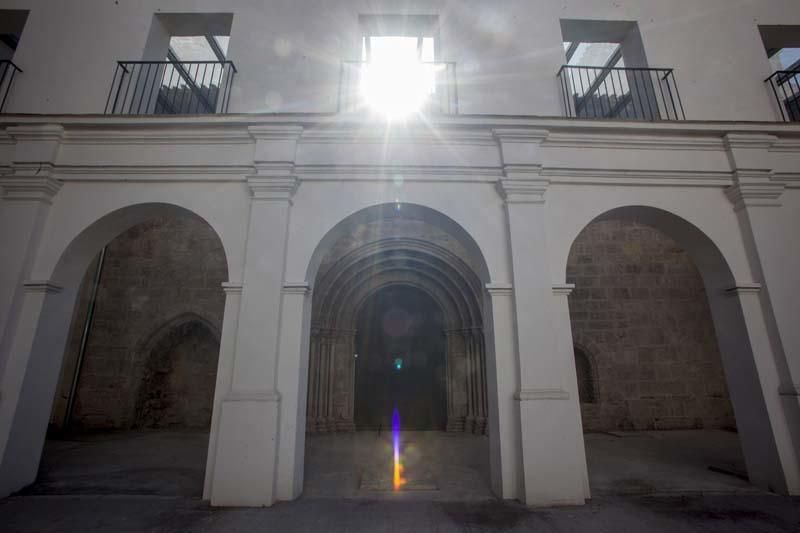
[
  {"x": 7, "y": 72},
  {"x": 170, "y": 87},
  {"x": 785, "y": 85},
  {"x": 624, "y": 93},
  {"x": 441, "y": 91}
]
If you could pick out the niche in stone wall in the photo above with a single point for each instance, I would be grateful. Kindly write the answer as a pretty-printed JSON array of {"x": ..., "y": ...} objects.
[{"x": 180, "y": 371}]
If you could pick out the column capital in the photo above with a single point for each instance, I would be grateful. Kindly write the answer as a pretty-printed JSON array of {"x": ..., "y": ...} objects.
[
  {"x": 41, "y": 286},
  {"x": 296, "y": 287},
  {"x": 252, "y": 396},
  {"x": 523, "y": 189},
  {"x": 232, "y": 287},
  {"x": 30, "y": 187},
  {"x": 527, "y": 395},
  {"x": 500, "y": 289},
  {"x": 564, "y": 289},
  {"x": 756, "y": 190},
  {"x": 272, "y": 188},
  {"x": 744, "y": 287}
]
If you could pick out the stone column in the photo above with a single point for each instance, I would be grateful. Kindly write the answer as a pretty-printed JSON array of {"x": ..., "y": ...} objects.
[
  {"x": 227, "y": 351},
  {"x": 480, "y": 362},
  {"x": 346, "y": 359},
  {"x": 455, "y": 420},
  {"x": 312, "y": 410},
  {"x": 773, "y": 251},
  {"x": 503, "y": 381},
  {"x": 554, "y": 464},
  {"x": 245, "y": 467}
]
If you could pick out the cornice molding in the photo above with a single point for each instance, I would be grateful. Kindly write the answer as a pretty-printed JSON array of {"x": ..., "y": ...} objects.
[
  {"x": 232, "y": 287},
  {"x": 604, "y": 176},
  {"x": 296, "y": 287},
  {"x": 29, "y": 188},
  {"x": 563, "y": 289},
  {"x": 41, "y": 286},
  {"x": 520, "y": 135},
  {"x": 414, "y": 135},
  {"x": 158, "y": 135},
  {"x": 527, "y": 395},
  {"x": 754, "y": 141},
  {"x": 398, "y": 172},
  {"x": 745, "y": 287},
  {"x": 275, "y": 132},
  {"x": 633, "y": 142},
  {"x": 36, "y": 132},
  {"x": 500, "y": 289},
  {"x": 152, "y": 172}
]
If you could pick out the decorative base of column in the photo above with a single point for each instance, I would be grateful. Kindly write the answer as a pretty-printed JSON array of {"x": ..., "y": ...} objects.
[{"x": 455, "y": 424}]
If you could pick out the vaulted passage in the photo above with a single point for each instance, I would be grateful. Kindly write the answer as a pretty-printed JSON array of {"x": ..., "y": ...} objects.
[{"x": 397, "y": 326}]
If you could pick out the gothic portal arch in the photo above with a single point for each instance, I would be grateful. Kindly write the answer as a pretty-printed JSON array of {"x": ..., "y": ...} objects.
[{"x": 390, "y": 248}]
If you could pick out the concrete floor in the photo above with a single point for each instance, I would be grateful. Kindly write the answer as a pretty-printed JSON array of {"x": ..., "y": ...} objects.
[
  {"x": 152, "y": 481},
  {"x": 439, "y": 466}
]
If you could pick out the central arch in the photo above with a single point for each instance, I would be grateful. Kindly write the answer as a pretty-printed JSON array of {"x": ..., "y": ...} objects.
[{"x": 419, "y": 264}]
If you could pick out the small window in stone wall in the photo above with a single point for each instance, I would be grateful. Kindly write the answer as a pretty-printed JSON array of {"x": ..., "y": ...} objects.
[{"x": 583, "y": 366}]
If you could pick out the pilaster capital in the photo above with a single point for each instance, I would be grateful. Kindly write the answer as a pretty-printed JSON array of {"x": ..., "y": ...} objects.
[
  {"x": 527, "y": 395},
  {"x": 744, "y": 287},
  {"x": 523, "y": 188},
  {"x": 41, "y": 286},
  {"x": 751, "y": 141},
  {"x": 520, "y": 146},
  {"x": 564, "y": 289},
  {"x": 296, "y": 287},
  {"x": 28, "y": 186},
  {"x": 763, "y": 193},
  {"x": 232, "y": 287},
  {"x": 789, "y": 389},
  {"x": 500, "y": 289},
  {"x": 272, "y": 188},
  {"x": 252, "y": 396},
  {"x": 275, "y": 132}
]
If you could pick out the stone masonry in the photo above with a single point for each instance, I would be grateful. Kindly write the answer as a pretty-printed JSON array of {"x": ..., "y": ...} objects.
[
  {"x": 151, "y": 359},
  {"x": 639, "y": 312}
]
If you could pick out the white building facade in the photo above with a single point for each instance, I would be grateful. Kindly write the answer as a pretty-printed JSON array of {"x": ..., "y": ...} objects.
[{"x": 288, "y": 167}]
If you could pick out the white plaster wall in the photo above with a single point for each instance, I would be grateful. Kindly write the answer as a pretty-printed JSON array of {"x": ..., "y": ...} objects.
[{"x": 288, "y": 52}]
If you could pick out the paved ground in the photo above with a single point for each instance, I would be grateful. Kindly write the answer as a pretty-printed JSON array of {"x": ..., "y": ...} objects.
[
  {"x": 654, "y": 481},
  {"x": 674, "y": 514}
]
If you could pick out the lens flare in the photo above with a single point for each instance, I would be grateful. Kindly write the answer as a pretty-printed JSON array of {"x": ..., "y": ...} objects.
[{"x": 397, "y": 479}]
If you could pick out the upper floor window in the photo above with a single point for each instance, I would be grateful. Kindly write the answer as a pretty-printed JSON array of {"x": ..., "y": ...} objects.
[
  {"x": 782, "y": 44},
  {"x": 399, "y": 75},
  {"x": 606, "y": 74}
]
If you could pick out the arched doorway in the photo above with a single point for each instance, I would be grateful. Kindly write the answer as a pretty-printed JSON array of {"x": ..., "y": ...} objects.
[
  {"x": 400, "y": 343},
  {"x": 397, "y": 322},
  {"x": 126, "y": 383},
  {"x": 658, "y": 311}
]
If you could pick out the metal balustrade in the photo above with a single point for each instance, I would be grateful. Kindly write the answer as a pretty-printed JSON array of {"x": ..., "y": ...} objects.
[
  {"x": 442, "y": 93},
  {"x": 785, "y": 85},
  {"x": 620, "y": 93},
  {"x": 7, "y": 72},
  {"x": 170, "y": 87}
]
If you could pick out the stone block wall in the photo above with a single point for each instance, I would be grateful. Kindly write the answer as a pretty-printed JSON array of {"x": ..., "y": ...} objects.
[
  {"x": 640, "y": 314},
  {"x": 151, "y": 359}
]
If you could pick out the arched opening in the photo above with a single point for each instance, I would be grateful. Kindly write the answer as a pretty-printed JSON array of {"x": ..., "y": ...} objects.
[
  {"x": 667, "y": 339},
  {"x": 131, "y": 407},
  {"x": 400, "y": 342},
  {"x": 397, "y": 330}
]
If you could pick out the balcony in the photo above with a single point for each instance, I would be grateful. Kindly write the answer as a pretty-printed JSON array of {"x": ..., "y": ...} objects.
[
  {"x": 620, "y": 93},
  {"x": 7, "y": 72},
  {"x": 785, "y": 85},
  {"x": 170, "y": 87},
  {"x": 414, "y": 87}
]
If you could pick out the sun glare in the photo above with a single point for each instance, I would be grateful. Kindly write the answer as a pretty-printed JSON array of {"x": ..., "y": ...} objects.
[{"x": 398, "y": 76}]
